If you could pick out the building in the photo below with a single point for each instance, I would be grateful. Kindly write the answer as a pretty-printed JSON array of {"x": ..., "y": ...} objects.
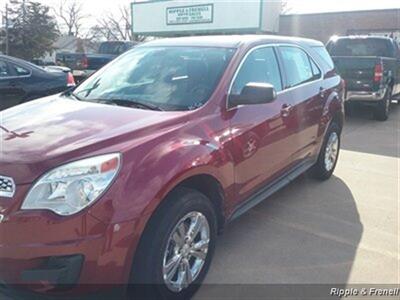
[
  {"x": 177, "y": 18},
  {"x": 163, "y": 18},
  {"x": 70, "y": 44},
  {"x": 324, "y": 25}
]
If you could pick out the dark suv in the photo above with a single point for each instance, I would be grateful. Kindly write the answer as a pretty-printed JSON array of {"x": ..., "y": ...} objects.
[{"x": 129, "y": 178}]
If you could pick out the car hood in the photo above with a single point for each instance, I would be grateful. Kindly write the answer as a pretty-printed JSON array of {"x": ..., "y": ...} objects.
[{"x": 42, "y": 134}]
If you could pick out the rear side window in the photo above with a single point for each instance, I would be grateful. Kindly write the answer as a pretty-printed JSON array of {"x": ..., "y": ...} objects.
[
  {"x": 4, "y": 71},
  {"x": 113, "y": 48},
  {"x": 315, "y": 70},
  {"x": 361, "y": 47},
  {"x": 323, "y": 53},
  {"x": 261, "y": 66},
  {"x": 298, "y": 66},
  {"x": 20, "y": 71}
]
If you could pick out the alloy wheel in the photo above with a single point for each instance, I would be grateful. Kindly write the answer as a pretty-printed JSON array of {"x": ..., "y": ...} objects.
[
  {"x": 186, "y": 251},
  {"x": 331, "y": 151}
]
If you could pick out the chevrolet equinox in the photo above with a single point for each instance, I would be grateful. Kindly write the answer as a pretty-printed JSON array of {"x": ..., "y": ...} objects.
[{"x": 128, "y": 178}]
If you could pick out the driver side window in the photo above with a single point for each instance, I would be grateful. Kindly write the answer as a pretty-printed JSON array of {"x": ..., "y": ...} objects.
[
  {"x": 20, "y": 71},
  {"x": 261, "y": 66}
]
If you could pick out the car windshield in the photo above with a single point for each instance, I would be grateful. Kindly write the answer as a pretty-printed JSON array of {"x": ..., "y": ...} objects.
[
  {"x": 361, "y": 47},
  {"x": 171, "y": 78}
]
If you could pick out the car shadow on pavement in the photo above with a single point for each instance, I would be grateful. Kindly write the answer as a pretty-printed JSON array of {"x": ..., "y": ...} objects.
[
  {"x": 293, "y": 243},
  {"x": 375, "y": 137}
]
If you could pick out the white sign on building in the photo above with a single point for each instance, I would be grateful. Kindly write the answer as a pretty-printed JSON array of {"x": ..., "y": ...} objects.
[
  {"x": 179, "y": 17},
  {"x": 193, "y": 14}
]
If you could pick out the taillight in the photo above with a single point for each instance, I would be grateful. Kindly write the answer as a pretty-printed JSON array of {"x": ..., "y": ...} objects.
[
  {"x": 378, "y": 72},
  {"x": 84, "y": 62},
  {"x": 70, "y": 79}
]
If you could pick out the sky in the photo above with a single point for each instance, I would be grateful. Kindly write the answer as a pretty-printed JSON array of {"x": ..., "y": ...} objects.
[
  {"x": 98, "y": 7},
  {"x": 94, "y": 9}
]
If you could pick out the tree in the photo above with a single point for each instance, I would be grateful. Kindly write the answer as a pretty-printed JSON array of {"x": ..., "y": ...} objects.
[
  {"x": 285, "y": 8},
  {"x": 71, "y": 15},
  {"x": 33, "y": 31},
  {"x": 80, "y": 47},
  {"x": 117, "y": 27}
]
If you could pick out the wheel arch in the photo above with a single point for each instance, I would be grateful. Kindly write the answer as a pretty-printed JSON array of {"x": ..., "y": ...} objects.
[
  {"x": 212, "y": 189},
  {"x": 203, "y": 183},
  {"x": 338, "y": 118},
  {"x": 333, "y": 111}
]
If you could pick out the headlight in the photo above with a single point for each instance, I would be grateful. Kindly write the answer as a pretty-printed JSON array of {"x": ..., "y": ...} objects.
[{"x": 68, "y": 189}]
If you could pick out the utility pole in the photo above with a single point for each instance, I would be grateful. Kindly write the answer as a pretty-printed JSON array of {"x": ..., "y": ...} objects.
[
  {"x": 7, "y": 45},
  {"x": 23, "y": 11}
]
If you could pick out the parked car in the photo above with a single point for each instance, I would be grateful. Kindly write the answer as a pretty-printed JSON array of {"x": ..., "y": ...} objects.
[
  {"x": 21, "y": 81},
  {"x": 370, "y": 65},
  {"x": 84, "y": 65},
  {"x": 129, "y": 178}
]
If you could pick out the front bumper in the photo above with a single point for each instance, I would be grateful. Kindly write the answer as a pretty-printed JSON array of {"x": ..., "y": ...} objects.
[
  {"x": 56, "y": 270},
  {"x": 366, "y": 96},
  {"x": 40, "y": 251}
]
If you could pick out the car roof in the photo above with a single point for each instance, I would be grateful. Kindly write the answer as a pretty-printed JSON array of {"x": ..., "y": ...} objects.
[
  {"x": 20, "y": 61},
  {"x": 13, "y": 58},
  {"x": 355, "y": 37},
  {"x": 230, "y": 41}
]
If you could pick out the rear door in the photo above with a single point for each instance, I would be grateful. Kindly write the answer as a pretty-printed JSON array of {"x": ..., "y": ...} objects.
[
  {"x": 23, "y": 80},
  {"x": 10, "y": 92},
  {"x": 305, "y": 94}
]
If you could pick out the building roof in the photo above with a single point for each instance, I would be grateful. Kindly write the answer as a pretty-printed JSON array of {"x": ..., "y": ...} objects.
[
  {"x": 229, "y": 41},
  {"x": 64, "y": 41},
  {"x": 363, "y": 11}
]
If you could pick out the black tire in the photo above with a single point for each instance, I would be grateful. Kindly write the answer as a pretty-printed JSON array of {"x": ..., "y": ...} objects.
[
  {"x": 319, "y": 170},
  {"x": 146, "y": 277},
  {"x": 381, "y": 112}
]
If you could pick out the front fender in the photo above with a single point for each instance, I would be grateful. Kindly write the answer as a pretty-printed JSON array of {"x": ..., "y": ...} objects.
[
  {"x": 143, "y": 184},
  {"x": 177, "y": 161}
]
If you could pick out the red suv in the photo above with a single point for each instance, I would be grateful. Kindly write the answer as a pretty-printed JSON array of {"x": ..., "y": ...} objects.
[{"x": 129, "y": 178}]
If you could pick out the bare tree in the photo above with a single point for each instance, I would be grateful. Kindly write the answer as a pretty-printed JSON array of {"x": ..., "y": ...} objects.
[
  {"x": 285, "y": 9},
  {"x": 70, "y": 12},
  {"x": 117, "y": 27}
]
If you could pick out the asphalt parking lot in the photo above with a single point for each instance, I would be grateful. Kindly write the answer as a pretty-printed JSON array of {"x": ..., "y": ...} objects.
[{"x": 343, "y": 231}]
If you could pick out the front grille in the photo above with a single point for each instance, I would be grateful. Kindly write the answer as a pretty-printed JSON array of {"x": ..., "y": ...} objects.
[{"x": 7, "y": 187}]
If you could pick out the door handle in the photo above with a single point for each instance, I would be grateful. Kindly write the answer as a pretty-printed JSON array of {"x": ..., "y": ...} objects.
[
  {"x": 322, "y": 92},
  {"x": 286, "y": 109}
]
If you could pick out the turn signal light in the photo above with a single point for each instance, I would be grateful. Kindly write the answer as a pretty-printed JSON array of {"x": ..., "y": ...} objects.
[
  {"x": 70, "y": 79},
  {"x": 378, "y": 72}
]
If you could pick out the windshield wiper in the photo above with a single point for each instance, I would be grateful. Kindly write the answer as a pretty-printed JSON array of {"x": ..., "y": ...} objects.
[
  {"x": 76, "y": 96},
  {"x": 70, "y": 92},
  {"x": 132, "y": 103}
]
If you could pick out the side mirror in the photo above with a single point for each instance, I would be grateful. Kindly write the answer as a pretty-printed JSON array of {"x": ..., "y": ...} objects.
[{"x": 254, "y": 93}]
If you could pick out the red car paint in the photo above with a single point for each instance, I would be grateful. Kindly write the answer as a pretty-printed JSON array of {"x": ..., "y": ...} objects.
[{"x": 241, "y": 148}]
